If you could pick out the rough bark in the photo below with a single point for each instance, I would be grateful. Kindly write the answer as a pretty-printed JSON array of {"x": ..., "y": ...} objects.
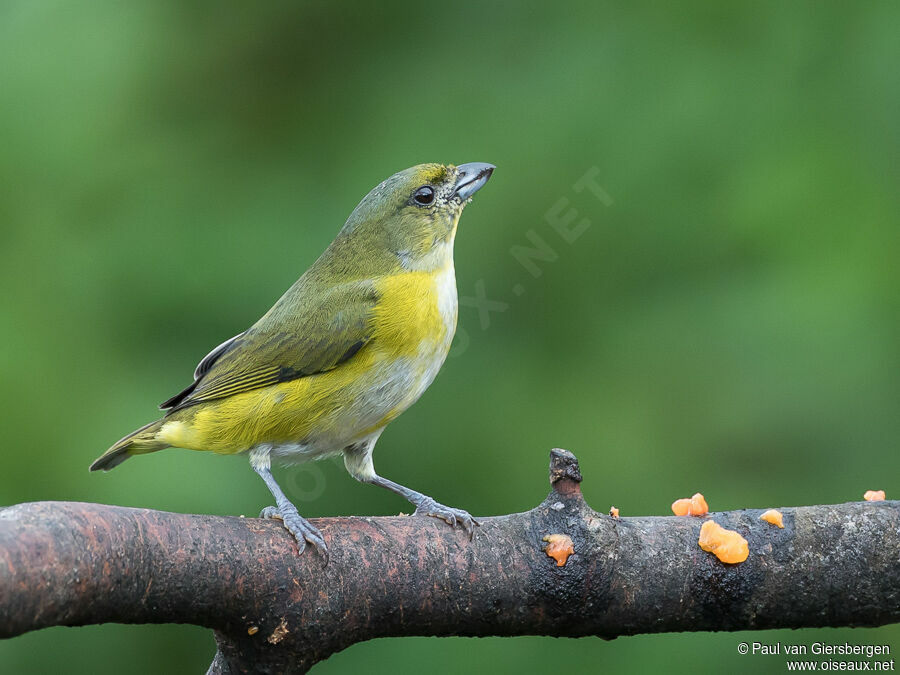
[{"x": 73, "y": 564}]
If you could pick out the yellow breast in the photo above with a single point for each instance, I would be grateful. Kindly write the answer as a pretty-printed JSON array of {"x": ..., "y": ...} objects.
[{"x": 416, "y": 311}]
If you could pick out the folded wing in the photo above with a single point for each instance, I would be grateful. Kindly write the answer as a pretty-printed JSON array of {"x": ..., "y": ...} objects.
[{"x": 307, "y": 332}]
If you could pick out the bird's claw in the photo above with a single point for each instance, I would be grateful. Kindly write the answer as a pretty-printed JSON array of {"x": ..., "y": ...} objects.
[
  {"x": 452, "y": 517},
  {"x": 270, "y": 512},
  {"x": 300, "y": 529}
]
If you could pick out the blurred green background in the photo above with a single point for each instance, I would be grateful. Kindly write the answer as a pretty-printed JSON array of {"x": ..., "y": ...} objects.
[{"x": 730, "y": 323}]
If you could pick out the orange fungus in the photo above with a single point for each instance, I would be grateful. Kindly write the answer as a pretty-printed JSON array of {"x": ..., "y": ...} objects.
[
  {"x": 559, "y": 547},
  {"x": 681, "y": 507},
  {"x": 727, "y": 545},
  {"x": 695, "y": 506},
  {"x": 773, "y": 517}
]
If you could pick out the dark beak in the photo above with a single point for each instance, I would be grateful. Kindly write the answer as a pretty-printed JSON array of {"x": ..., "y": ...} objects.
[{"x": 472, "y": 177}]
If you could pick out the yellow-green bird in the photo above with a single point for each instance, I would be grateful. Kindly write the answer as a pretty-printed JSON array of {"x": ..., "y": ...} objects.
[{"x": 351, "y": 345}]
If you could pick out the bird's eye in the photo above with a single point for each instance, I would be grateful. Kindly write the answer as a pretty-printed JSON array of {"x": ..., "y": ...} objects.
[{"x": 424, "y": 195}]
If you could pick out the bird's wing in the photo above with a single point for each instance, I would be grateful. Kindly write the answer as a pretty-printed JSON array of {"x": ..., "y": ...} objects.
[{"x": 307, "y": 332}]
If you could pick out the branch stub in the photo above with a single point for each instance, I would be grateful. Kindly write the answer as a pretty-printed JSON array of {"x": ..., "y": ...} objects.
[{"x": 564, "y": 472}]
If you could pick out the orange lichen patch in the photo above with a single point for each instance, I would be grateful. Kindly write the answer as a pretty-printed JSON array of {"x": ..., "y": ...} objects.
[
  {"x": 278, "y": 634},
  {"x": 773, "y": 517},
  {"x": 613, "y": 511},
  {"x": 727, "y": 545},
  {"x": 253, "y": 630},
  {"x": 559, "y": 547},
  {"x": 695, "y": 506},
  {"x": 874, "y": 496}
]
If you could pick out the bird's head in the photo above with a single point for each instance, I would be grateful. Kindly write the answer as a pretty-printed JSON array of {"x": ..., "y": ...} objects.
[{"x": 412, "y": 215}]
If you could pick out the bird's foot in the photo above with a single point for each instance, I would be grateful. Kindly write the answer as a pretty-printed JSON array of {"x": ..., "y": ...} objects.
[
  {"x": 429, "y": 507},
  {"x": 299, "y": 527}
]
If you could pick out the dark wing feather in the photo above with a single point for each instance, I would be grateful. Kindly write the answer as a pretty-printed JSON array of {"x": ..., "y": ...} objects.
[
  {"x": 307, "y": 332},
  {"x": 202, "y": 368},
  {"x": 208, "y": 360}
]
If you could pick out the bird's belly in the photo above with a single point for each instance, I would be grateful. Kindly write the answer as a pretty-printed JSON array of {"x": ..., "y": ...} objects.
[
  {"x": 399, "y": 384},
  {"x": 366, "y": 406}
]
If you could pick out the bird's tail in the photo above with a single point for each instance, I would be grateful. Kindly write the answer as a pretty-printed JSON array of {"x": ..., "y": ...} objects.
[{"x": 136, "y": 443}]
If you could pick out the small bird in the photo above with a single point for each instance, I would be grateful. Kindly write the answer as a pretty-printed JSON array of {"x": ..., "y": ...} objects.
[{"x": 351, "y": 345}]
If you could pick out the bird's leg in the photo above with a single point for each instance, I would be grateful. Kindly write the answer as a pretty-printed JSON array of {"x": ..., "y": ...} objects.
[
  {"x": 297, "y": 525},
  {"x": 426, "y": 506},
  {"x": 358, "y": 460}
]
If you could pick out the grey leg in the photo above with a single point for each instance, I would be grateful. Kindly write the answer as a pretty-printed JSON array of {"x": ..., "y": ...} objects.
[
  {"x": 358, "y": 460},
  {"x": 426, "y": 506},
  {"x": 298, "y": 526}
]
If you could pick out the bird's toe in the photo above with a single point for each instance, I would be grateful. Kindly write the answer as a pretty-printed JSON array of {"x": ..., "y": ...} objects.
[
  {"x": 304, "y": 532},
  {"x": 451, "y": 516},
  {"x": 270, "y": 512},
  {"x": 300, "y": 529}
]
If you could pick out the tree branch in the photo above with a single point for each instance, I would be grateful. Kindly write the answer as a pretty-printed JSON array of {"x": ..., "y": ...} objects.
[{"x": 73, "y": 564}]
